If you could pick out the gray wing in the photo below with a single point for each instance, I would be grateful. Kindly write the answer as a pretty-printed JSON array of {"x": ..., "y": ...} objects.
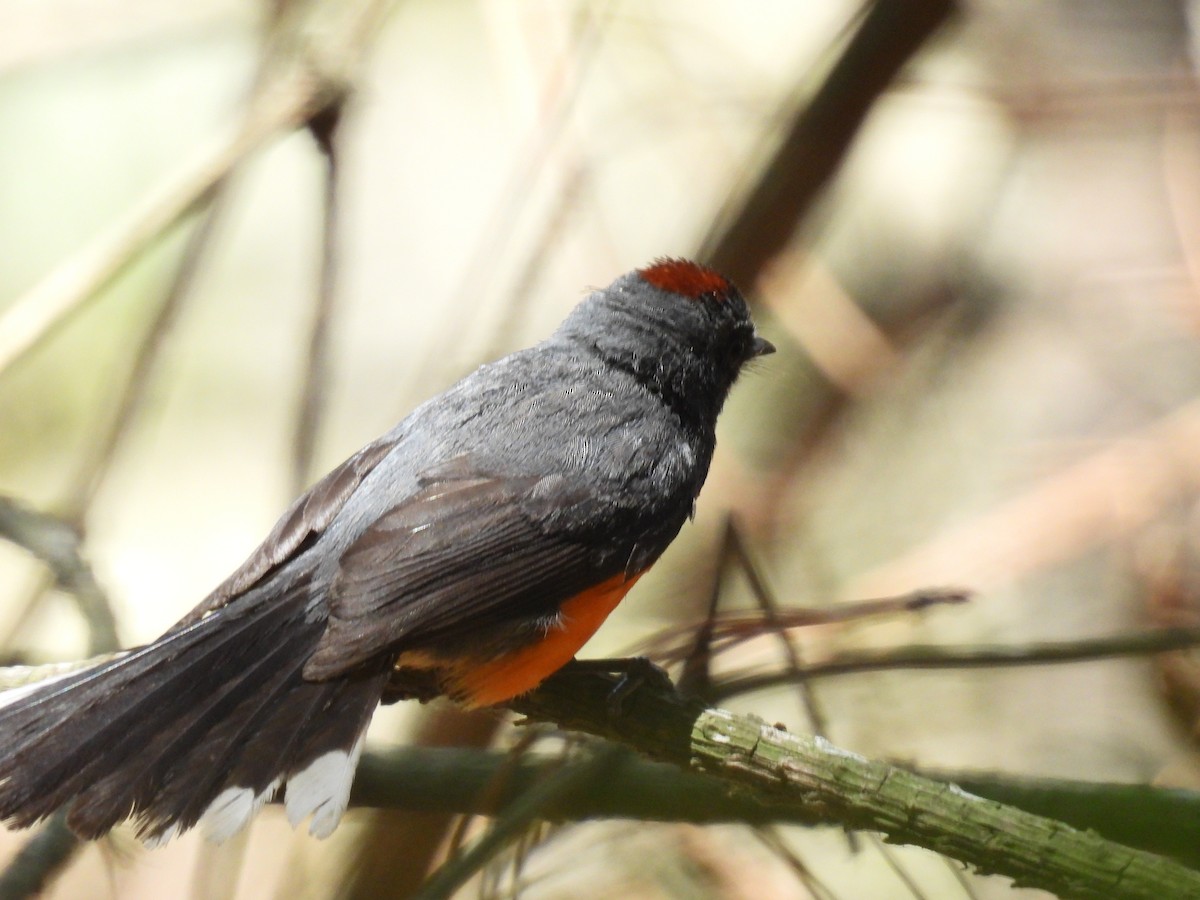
[{"x": 464, "y": 554}]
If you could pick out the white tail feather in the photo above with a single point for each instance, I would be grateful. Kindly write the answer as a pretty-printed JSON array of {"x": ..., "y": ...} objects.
[
  {"x": 233, "y": 809},
  {"x": 323, "y": 789},
  {"x": 164, "y": 837}
]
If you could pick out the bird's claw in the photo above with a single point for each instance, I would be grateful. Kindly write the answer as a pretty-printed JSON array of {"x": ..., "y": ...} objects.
[{"x": 635, "y": 671}]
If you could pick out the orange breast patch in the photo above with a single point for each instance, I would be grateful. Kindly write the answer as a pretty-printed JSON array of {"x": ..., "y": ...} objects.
[{"x": 515, "y": 673}]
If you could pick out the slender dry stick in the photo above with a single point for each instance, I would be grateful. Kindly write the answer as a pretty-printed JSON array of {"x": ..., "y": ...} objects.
[
  {"x": 772, "y": 841},
  {"x": 810, "y": 153},
  {"x": 329, "y": 52},
  {"x": 697, "y": 652},
  {"x": 730, "y": 629},
  {"x": 400, "y": 850},
  {"x": 30, "y": 871},
  {"x": 57, "y": 544},
  {"x": 315, "y": 391},
  {"x": 35, "y": 316},
  {"x": 514, "y": 820},
  {"x": 1160, "y": 640},
  {"x": 959, "y": 872},
  {"x": 137, "y": 383},
  {"x": 892, "y": 863},
  {"x": 813, "y": 708},
  {"x": 565, "y": 83},
  {"x": 98, "y": 460},
  {"x": 515, "y": 754},
  {"x": 770, "y": 608}
]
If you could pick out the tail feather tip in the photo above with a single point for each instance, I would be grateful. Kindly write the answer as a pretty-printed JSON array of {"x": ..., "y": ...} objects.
[{"x": 323, "y": 789}]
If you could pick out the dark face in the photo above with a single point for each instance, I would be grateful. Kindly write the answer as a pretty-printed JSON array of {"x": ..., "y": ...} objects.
[
  {"x": 680, "y": 328},
  {"x": 733, "y": 340}
]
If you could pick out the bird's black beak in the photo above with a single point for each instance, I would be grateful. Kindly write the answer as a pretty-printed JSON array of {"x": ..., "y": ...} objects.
[{"x": 761, "y": 347}]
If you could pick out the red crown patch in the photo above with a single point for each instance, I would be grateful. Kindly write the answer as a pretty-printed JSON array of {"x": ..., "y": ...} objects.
[{"x": 682, "y": 276}]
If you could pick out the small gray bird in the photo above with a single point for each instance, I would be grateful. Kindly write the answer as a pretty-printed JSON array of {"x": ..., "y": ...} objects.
[{"x": 469, "y": 552}]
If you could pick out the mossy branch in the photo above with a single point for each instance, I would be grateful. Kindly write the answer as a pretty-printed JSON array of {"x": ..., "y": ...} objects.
[
  {"x": 826, "y": 784},
  {"x": 470, "y": 781}
]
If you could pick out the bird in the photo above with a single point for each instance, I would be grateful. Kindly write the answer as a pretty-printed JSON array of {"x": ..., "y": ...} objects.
[{"x": 470, "y": 552}]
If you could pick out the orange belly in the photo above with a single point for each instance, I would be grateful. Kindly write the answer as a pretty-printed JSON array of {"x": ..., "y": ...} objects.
[{"x": 515, "y": 673}]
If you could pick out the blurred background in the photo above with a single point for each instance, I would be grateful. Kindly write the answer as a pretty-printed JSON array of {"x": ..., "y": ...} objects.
[{"x": 972, "y": 231}]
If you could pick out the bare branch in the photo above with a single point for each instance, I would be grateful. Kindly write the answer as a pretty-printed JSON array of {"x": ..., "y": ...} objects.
[
  {"x": 57, "y": 544},
  {"x": 977, "y": 656}
]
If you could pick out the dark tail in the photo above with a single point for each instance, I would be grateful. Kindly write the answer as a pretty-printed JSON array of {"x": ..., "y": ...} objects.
[{"x": 205, "y": 724}]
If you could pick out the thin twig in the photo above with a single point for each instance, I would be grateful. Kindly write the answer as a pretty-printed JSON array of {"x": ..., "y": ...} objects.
[
  {"x": 696, "y": 651},
  {"x": 103, "y": 453},
  {"x": 67, "y": 290},
  {"x": 30, "y": 871},
  {"x": 376, "y": 858},
  {"x": 458, "y": 836},
  {"x": 918, "y": 656},
  {"x": 776, "y": 623},
  {"x": 770, "y": 608},
  {"x": 810, "y": 153},
  {"x": 315, "y": 390},
  {"x": 57, "y": 544},
  {"x": 729, "y": 629},
  {"x": 959, "y": 871},
  {"x": 898, "y": 870},
  {"x": 478, "y": 272},
  {"x": 329, "y": 52},
  {"x": 773, "y": 842},
  {"x": 515, "y": 819},
  {"x": 98, "y": 460}
]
